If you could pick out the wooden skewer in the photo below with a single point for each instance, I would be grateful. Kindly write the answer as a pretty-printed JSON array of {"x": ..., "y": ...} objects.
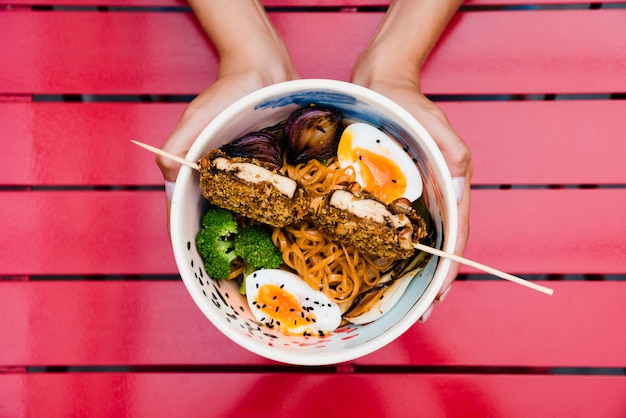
[
  {"x": 418, "y": 246},
  {"x": 166, "y": 154},
  {"x": 484, "y": 268}
]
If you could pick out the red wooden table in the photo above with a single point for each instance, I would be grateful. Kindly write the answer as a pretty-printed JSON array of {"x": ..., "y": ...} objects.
[{"x": 95, "y": 321}]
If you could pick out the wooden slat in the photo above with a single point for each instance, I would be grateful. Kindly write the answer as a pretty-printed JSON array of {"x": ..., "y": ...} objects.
[
  {"x": 82, "y": 143},
  {"x": 512, "y": 142},
  {"x": 532, "y": 231},
  {"x": 549, "y": 231},
  {"x": 170, "y": 55},
  {"x": 141, "y": 323},
  {"x": 302, "y": 395},
  {"x": 284, "y": 3},
  {"x": 84, "y": 232},
  {"x": 543, "y": 142}
]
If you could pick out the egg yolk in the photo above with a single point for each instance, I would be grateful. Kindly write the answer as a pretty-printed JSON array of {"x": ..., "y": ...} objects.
[
  {"x": 380, "y": 176},
  {"x": 282, "y": 309}
]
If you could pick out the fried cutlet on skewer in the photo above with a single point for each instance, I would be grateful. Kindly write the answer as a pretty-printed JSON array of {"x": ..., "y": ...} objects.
[{"x": 252, "y": 188}]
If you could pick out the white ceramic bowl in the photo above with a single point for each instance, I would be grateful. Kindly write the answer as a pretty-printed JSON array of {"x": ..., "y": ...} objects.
[{"x": 220, "y": 300}]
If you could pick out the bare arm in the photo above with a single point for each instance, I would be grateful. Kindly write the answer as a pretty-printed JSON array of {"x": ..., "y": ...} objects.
[
  {"x": 391, "y": 64},
  {"x": 252, "y": 55},
  {"x": 404, "y": 38}
]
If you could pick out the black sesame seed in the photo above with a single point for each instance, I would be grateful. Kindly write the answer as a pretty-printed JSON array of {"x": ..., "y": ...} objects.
[
  {"x": 394, "y": 181},
  {"x": 316, "y": 302},
  {"x": 378, "y": 141},
  {"x": 277, "y": 308},
  {"x": 308, "y": 319},
  {"x": 292, "y": 310},
  {"x": 282, "y": 285},
  {"x": 278, "y": 323},
  {"x": 274, "y": 298},
  {"x": 321, "y": 333},
  {"x": 188, "y": 245},
  {"x": 313, "y": 319}
]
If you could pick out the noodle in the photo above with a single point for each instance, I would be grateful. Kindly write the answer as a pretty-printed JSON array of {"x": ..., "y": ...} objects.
[{"x": 340, "y": 272}]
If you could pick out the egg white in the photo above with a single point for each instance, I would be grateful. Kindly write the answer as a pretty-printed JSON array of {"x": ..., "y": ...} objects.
[
  {"x": 368, "y": 137},
  {"x": 327, "y": 313}
]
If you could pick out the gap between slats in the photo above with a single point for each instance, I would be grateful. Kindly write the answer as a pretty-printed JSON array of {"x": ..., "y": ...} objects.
[{"x": 348, "y": 368}]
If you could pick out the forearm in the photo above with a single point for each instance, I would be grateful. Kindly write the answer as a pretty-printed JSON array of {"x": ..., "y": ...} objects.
[
  {"x": 242, "y": 34},
  {"x": 405, "y": 37}
]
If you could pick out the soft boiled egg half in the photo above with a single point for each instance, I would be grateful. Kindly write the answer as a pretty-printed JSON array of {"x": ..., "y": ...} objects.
[
  {"x": 281, "y": 300},
  {"x": 381, "y": 166}
]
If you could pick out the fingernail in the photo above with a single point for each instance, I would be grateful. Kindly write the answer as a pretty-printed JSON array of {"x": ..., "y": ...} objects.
[
  {"x": 459, "y": 187},
  {"x": 443, "y": 295},
  {"x": 427, "y": 314},
  {"x": 169, "y": 190}
]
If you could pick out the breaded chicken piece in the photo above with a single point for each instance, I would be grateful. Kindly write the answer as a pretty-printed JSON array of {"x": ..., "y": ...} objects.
[
  {"x": 251, "y": 188},
  {"x": 360, "y": 221}
]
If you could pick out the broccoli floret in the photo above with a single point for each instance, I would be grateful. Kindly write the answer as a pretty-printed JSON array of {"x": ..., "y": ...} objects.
[
  {"x": 221, "y": 240},
  {"x": 221, "y": 220},
  {"x": 216, "y": 252},
  {"x": 214, "y": 242},
  {"x": 254, "y": 244}
]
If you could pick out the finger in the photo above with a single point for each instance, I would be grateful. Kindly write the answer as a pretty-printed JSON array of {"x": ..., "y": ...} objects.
[
  {"x": 180, "y": 140},
  {"x": 463, "y": 210},
  {"x": 427, "y": 314}
]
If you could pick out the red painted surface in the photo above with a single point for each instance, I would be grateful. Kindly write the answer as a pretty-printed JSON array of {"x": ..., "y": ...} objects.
[
  {"x": 85, "y": 232},
  {"x": 543, "y": 142},
  {"x": 83, "y": 143},
  {"x": 482, "y": 323},
  {"x": 262, "y": 394},
  {"x": 77, "y": 238},
  {"x": 575, "y": 142},
  {"x": 123, "y": 232},
  {"x": 285, "y": 3},
  {"x": 289, "y": 395},
  {"x": 559, "y": 55}
]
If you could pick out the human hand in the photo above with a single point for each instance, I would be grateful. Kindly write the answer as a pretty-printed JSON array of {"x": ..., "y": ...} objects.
[
  {"x": 252, "y": 55},
  {"x": 456, "y": 154},
  {"x": 391, "y": 64}
]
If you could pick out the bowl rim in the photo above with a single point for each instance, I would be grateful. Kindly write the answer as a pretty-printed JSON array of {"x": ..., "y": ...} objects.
[{"x": 448, "y": 244}]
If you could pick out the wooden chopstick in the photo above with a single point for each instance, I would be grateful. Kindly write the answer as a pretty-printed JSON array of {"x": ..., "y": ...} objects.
[
  {"x": 417, "y": 246},
  {"x": 166, "y": 154},
  {"x": 484, "y": 268}
]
